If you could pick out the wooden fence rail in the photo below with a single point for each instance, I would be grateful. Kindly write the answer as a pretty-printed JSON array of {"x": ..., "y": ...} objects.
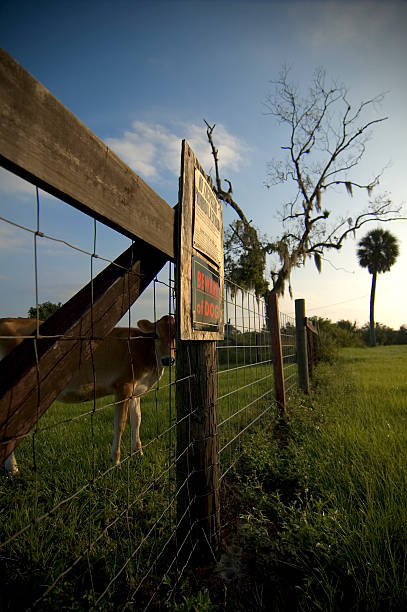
[
  {"x": 32, "y": 379},
  {"x": 307, "y": 345},
  {"x": 312, "y": 345},
  {"x": 44, "y": 143}
]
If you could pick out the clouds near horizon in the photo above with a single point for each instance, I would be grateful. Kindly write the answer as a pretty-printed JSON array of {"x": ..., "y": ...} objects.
[{"x": 12, "y": 184}]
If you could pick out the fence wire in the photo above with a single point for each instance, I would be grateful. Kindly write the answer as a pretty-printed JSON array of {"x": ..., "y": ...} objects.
[
  {"x": 289, "y": 349},
  {"x": 78, "y": 532},
  {"x": 245, "y": 372},
  {"x": 75, "y": 530}
]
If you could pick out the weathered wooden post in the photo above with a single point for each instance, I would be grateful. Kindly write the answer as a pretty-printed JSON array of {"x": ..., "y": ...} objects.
[
  {"x": 277, "y": 351},
  {"x": 199, "y": 325},
  {"x": 198, "y": 512},
  {"x": 312, "y": 348},
  {"x": 310, "y": 355},
  {"x": 301, "y": 337}
]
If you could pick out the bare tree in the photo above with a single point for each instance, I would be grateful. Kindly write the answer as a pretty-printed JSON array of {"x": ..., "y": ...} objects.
[
  {"x": 326, "y": 141},
  {"x": 245, "y": 251}
]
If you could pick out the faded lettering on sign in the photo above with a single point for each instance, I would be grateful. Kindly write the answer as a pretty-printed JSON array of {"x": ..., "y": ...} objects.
[{"x": 207, "y": 232}]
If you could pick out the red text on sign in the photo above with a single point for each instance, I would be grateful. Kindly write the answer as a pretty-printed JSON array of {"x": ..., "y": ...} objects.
[
  {"x": 208, "y": 309},
  {"x": 206, "y": 284}
]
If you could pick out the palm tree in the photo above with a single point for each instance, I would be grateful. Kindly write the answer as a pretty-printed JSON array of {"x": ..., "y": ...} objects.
[{"x": 377, "y": 252}]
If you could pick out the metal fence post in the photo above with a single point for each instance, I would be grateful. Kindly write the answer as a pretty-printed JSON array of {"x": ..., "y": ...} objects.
[
  {"x": 276, "y": 346},
  {"x": 301, "y": 336}
]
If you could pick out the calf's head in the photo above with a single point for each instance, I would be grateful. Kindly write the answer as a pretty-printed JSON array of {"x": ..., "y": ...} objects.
[{"x": 164, "y": 330}]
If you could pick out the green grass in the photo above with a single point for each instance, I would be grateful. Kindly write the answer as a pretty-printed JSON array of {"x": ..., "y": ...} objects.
[
  {"x": 105, "y": 517},
  {"x": 109, "y": 509},
  {"x": 326, "y": 505},
  {"x": 320, "y": 505}
]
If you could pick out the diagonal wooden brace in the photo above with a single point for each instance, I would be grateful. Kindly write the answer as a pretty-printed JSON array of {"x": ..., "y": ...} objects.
[{"x": 37, "y": 370}]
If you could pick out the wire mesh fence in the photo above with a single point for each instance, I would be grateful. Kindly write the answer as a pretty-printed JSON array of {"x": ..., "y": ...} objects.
[
  {"x": 77, "y": 531},
  {"x": 245, "y": 372},
  {"x": 289, "y": 349}
]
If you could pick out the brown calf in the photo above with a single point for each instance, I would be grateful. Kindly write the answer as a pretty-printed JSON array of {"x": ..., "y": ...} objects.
[{"x": 127, "y": 364}]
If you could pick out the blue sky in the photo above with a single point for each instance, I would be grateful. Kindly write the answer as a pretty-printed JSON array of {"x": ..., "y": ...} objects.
[{"x": 143, "y": 75}]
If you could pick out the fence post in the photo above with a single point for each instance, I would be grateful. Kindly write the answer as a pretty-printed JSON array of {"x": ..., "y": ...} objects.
[
  {"x": 198, "y": 513},
  {"x": 310, "y": 347},
  {"x": 277, "y": 351},
  {"x": 301, "y": 337}
]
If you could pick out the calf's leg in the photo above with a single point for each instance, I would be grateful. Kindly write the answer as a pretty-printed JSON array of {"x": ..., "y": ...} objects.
[
  {"x": 120, "y": 418},
  {"x": 135, "y": 420}
]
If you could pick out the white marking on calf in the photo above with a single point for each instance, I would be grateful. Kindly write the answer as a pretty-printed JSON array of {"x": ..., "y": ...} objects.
[{"x": 127, "y": 363}]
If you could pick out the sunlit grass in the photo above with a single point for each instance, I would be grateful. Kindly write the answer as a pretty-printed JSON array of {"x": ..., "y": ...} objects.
[
  {"x": 339, "y": 488},
  {"x": 359, "y": 461}
]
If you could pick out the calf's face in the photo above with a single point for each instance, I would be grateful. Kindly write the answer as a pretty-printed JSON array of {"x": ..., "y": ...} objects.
[{"x": 164, "y": 329}]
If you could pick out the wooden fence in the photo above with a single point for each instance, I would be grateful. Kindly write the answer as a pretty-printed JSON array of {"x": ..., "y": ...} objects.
[
  {"x": 307, "y": 338},
  {"x": 312, "y": 345},
  {"x": 223, "y": 392},
  {"x": 87, "y": 175}
]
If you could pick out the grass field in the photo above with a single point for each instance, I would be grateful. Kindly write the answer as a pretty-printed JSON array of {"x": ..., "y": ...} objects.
[
  {"x": 324, "y": 507},
  {"x": 82, "y": 524},
  {"x": 315, "y": 511}
]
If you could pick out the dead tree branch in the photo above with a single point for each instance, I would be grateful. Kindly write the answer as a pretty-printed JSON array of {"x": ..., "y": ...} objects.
[{"x": 327, "y": 139}]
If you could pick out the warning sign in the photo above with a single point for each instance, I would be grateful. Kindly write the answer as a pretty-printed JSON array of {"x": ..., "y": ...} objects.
[
  {"x": 199, "y": 255},
  {"x": 207, "y": 233},
  {"x": 205, "y": 296}
]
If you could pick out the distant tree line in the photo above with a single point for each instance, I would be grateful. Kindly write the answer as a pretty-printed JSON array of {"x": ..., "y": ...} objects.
[
  {"x": 385, "y": 334},
  {"x": 246, "y": 347},
  {"x": 347, "y": 334}
]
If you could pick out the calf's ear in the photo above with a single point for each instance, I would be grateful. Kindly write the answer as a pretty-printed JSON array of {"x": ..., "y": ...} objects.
[{"x": 146, "y": 326}]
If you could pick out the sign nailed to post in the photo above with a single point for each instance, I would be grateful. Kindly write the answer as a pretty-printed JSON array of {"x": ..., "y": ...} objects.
[
  {"x": 200, "y": 254},
  {"x": 205, "y": 296},
  {"x": 207, "y": 237}
]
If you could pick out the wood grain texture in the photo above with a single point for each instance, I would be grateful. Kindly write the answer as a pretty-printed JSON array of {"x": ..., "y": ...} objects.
[
  {"x": 198, "y": 509},
  {"x": 309, "y": 324},
  {"x": 312, "y": 333},
  {"x": 301, "y": 342},
  {"x": 32, "y": 379},
  {"x": 44, "y": 143},
  {"x": 185, "y": 250},
  {"x": 198, "y": 505}
]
